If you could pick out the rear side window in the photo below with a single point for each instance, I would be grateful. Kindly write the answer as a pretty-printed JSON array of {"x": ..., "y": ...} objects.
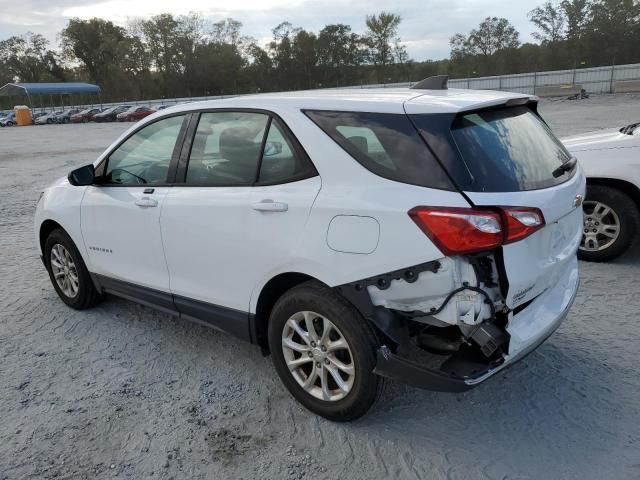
[
  {"x": 226, "y": 148},
  {"x": 504, "y": 150},
  {"x": 385, "y": 144},
  {"x": 281, "y": 161}
]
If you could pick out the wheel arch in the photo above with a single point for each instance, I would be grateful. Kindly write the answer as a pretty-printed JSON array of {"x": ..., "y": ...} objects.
[
  {"x": 269, "y": 295},
  {"x": 629, "y": 188},
  {"x": 46, "y": 227}
]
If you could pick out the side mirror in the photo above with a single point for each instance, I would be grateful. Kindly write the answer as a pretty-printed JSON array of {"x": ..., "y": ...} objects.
[{"x": 82, "y": 176}]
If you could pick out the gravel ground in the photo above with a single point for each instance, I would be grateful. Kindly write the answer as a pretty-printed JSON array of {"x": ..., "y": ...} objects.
[{"x": 124, "y": 391}]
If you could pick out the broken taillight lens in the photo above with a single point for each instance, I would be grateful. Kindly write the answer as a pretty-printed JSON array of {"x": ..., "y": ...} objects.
[{"x": 457, "y": 230}]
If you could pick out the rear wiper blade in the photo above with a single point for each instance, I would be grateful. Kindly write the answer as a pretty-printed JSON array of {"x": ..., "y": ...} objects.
[
  {"x": 629, "y": 129},
  {"x": 565, "y": 167}
]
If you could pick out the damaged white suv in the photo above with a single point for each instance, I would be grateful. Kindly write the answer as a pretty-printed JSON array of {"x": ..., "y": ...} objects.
[{"x": 422, "y": 234}]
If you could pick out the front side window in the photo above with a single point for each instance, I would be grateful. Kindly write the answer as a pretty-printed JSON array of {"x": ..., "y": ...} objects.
[
  {"x": 144, "y": 158},
  {"x": 385, "y": 144},
  {"x": 226, "y": 148}
]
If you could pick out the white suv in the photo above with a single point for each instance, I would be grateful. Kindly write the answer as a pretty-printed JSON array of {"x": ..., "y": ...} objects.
[{"x": 427, "y": 235}]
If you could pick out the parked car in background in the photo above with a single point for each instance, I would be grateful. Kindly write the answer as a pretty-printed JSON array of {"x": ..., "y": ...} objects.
[
  {"x": 65, "y": 116},
  {"x": 611, "y": 161},
  {"x": 322, "y": 227},
  {"x": 135, "y": 113},
  {"x": 110, "y": 114},
  {"x": 48, "y": 119},
  {"x": 8, "y": 120},
  {"x": 85, "y": 116},
  {"x": 37, "y": 115}
]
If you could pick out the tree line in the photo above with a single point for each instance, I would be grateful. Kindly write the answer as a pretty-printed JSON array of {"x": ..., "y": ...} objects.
[{"x": 189, "y": 55}]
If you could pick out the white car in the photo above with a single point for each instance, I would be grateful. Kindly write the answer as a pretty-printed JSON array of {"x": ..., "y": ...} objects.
[
  {"x": 427, "y": 235},
  {"x": 47, "y": 119},
  {"x": 611, "y": 162}
]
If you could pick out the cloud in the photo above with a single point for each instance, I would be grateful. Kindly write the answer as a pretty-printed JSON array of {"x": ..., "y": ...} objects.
[{"x": 425, "y": 28}]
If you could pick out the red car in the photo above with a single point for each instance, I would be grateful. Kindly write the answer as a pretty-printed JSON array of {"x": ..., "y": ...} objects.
[
  {"x": 134, "y": 113},
  {"x": 85, "y": 115}
]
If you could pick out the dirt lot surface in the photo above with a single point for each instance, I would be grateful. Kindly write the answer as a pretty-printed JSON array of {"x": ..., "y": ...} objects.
[{"x": 123, "y": 391}]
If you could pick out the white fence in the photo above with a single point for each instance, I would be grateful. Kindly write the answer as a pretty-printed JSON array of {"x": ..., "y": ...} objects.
[{"x": 593, "y": 80}]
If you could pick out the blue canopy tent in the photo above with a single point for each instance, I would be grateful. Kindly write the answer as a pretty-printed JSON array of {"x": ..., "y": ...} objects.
[{"x": 40, "y": 89}]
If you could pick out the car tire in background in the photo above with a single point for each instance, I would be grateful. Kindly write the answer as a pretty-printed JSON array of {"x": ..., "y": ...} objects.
[
  {"x": 68, "y": 273},
  {"x": 611, "y": 220},
  {"x": 324, "y": 352}
]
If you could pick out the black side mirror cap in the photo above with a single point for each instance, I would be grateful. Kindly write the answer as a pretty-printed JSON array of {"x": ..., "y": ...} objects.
[{"x": 82, "y": 176}]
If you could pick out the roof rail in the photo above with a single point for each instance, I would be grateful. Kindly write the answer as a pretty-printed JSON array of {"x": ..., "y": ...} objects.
[{"x": 439, "y": 82}]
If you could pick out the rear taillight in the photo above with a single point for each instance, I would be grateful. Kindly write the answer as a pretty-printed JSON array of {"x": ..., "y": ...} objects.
[
  {"x": 521, "y": 222},
  {"x": 466, "y": 230}
]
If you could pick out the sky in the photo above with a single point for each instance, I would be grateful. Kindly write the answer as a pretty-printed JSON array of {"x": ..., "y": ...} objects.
[{"x": 425, "y": 29}]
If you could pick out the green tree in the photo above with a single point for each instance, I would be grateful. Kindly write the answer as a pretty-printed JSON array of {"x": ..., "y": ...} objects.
[
  {"x": 27, "y": 58},
  {"x": 550, "y": 21},
  {"x": 578, "y": 17},
  {"x": 98, "y": 44},
  {"x": 492, "y": 35},
  {"x": 339, "y": 53},
  {"x": 381, "y": 37}
]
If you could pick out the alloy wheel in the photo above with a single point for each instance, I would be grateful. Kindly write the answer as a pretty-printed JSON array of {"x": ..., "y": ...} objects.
[
  {"x": 64, "y": 270},
  {"x": 318, "y": 356},
  {"x": 601, "y": 226}
]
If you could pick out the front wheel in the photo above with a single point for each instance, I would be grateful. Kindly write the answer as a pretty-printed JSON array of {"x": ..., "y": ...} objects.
[
  {"x": 324, "y": 352},
  {"x": 611, "y": 220},
  {"x": 68, "y": 273}
]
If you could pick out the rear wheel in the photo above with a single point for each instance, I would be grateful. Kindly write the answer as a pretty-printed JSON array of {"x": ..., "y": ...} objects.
[
  {"x": 324, "y": 352},
  {"x": 68, "y": 273},
  {"x": 610, "y": 223}
]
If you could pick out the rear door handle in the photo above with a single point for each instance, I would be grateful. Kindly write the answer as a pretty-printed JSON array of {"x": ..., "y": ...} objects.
[
  {"x": 146, "y": 202},
  {"x": 270, "y": 206}
]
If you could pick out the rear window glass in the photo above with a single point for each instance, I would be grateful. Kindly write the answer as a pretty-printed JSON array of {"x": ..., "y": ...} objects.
[
  {"x": 385, "y": 144},
  {"x": 508, "y": 149}
]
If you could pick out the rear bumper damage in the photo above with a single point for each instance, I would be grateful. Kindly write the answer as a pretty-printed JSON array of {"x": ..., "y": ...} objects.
[{"x": 527, "y": 328}]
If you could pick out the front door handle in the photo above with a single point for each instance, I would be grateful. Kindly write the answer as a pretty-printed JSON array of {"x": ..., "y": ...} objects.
[
  {"x": 146, "y": 202},
  {"x": 270, "y": 206}
]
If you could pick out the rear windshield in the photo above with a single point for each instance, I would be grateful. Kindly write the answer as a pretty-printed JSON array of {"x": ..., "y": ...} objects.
[
  {"x": 505, "y": 150},
  {"x": 385, "y": 144}
]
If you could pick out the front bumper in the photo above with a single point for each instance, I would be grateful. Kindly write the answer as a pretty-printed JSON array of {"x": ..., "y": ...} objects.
[{"x": 528, "y": 330}]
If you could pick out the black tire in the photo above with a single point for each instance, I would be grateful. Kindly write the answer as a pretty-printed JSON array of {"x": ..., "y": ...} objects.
[
  {"x": 65, "y": 120},
  {"x": 359, "y": 335},
  {"x": 87, "y": 295},
  {"x": 628, "y": 216}
]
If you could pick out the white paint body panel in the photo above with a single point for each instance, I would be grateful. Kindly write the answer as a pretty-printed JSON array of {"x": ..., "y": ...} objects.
[
  {"x": 353, "y": 234},
  {"x": 535, "y": 263},
  {"x": 131, "y": 235},
  {"x": 209, "y": 244},
  {"x": 608, "y": 154}
]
